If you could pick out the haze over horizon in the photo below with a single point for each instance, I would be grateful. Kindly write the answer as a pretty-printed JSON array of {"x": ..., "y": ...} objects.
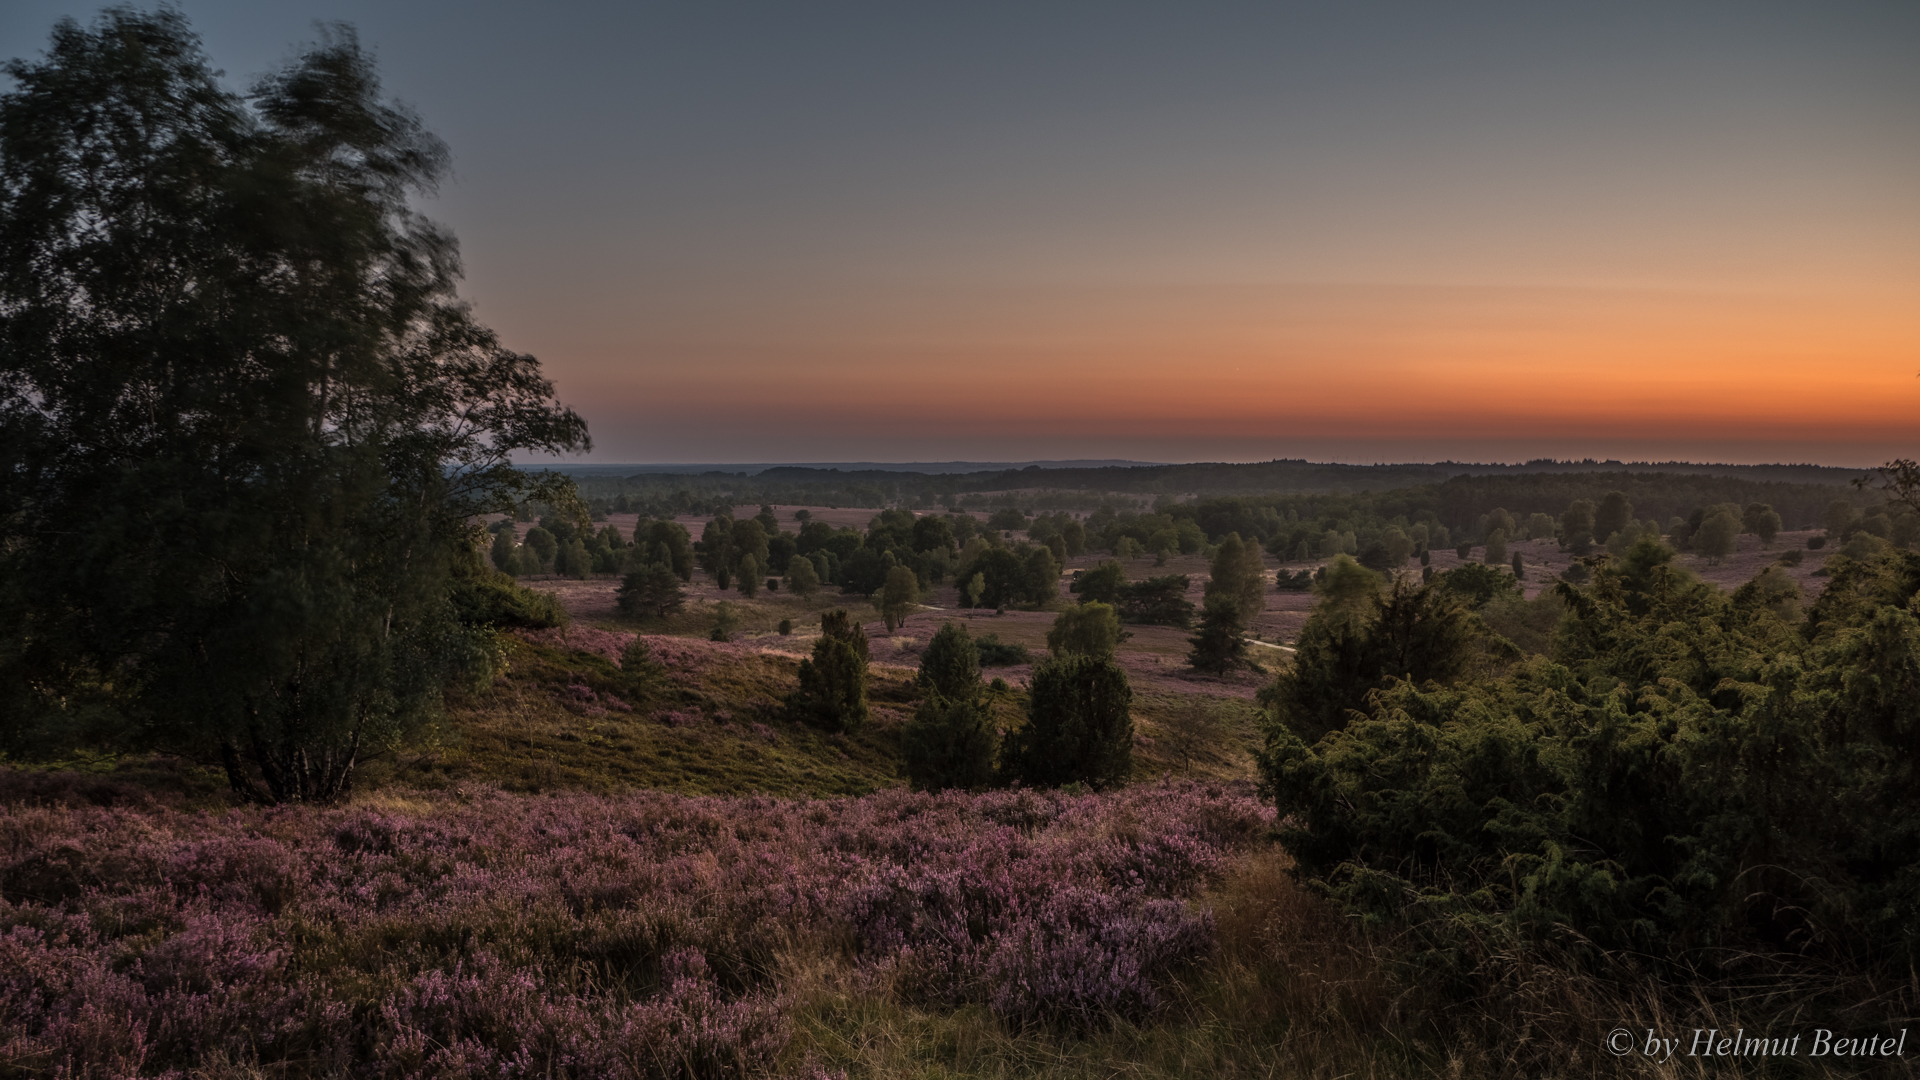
[{"x": 1387, "y": 232}]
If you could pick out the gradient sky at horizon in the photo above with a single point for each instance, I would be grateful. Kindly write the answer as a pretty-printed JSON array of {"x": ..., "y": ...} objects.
[{"x": 1358, "y": 232}]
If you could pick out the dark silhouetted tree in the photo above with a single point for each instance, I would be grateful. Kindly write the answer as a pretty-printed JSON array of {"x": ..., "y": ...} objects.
[
  {"x": 1079, "y": 726},
  {"x": 833, "y": 683}
]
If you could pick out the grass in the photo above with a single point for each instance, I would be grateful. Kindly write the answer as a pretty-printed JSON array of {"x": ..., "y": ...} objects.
[{"x": 725, "y": 735}]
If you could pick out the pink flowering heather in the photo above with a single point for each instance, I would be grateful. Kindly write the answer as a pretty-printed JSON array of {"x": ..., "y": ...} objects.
[
  {"x": 629, "y": 936},
  {"x": 606, "y": 643}
]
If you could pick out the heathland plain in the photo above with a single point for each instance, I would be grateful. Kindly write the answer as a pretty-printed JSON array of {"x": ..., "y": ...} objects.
[
  {"x": 601, "y": 861},
  {"x": 336, "y": 745}
]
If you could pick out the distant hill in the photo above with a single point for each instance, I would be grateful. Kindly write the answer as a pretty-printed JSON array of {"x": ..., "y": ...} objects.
[{"x": 927, "y": 468}]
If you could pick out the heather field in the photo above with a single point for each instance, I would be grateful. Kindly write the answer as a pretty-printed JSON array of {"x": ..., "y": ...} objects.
[{"x": 645, "y": 934}]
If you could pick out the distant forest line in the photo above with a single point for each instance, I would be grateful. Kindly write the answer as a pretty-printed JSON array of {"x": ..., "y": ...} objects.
[{"x": 1453, "y": 494}]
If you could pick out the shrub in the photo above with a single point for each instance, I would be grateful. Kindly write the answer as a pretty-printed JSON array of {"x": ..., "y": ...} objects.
[
  {"x": 833, "y": 683},
  {"x": 1219, "y": 647},
  {"x": 802, "y": 577},
  {"x": 1079, "y": 726},
  {"x": 1158, "y": 601},
  {"x": 949, "y": 743},
  {"x": 1102, "y": 583},
  {"x": 997, "y": 653},
  {"x": 653, "y": 590},
  {"x": 786, "y": 627},
  {"x": 950, "y": 667},
  {"x": 1087, "y": 629},
  {"x": 1686, "y": 777}
]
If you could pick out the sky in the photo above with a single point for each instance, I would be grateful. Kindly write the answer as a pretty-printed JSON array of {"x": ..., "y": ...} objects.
[{"x": 1174, "y": 232}]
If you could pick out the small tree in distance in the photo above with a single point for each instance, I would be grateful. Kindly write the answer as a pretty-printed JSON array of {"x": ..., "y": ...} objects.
[
  {"x": 898, "y": 597},
  {"x": 1089, "y": 629},
  {"x": 802, "y": 579}
]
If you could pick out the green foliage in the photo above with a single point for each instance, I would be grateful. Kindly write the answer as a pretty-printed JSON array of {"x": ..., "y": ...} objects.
[
  {"x": 950, "y": 666},
  {"x": 1220, "y": 645},
  {"x": 1716, "y": 536},
  {"x": 802, "y": 578},
  {"x": 1496, "y": 550},
  {"x": 246, "y": 419},
  {"x": 749, "y": 570},
  {"x": 1761, "y": 520},
  {"x": 949, "y": 743},
  {"x": 997, "y": 653},
  {"x": 1079, "y": 726},
  {"x": 543, "y": 546},
  {"x": 501, "y": 553},
  {"x": 1238, "y": 575},
  {"x": 1087, "y": 629},
  {"x": 643, "y": 676},
  {"x": 1419, "y": 634},
  {"x": 1576, "y": 527},
  {"x": 1688, "y": 776},
  {"x": 496, "y": 600},
  {"x": 1614, "y": 513},
  {"x": 833, "y": 684},
  {"x": 1478, "y": 584},
  {"x": 726, "y": 622},
  {"x": 1157, "y": 601},
  {"x": 1102, "y": 583},
  {"x": 898, "y": 597},
  {"x": 651, "y": 591}
]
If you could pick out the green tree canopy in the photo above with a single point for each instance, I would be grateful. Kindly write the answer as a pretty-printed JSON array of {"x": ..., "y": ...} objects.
[
  {"x": 1079, "y": 726},
  {"x": 222, "y": 319},
  {"x": 1088, "y": 629},
  {"x": 833, "y": 684},
  {"x": 898, "y": 597}
]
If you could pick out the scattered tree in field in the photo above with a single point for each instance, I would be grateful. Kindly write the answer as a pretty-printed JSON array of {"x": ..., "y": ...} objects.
[
  {"x": 643, "y": 674},
  {"x": 543, "y": 546},
  {"x": 1079, "y": 726},
  {"x": 972, "y": 591},
  {"x": 1239, "y": 575},
  {"x": 950, "y": 741},
  {"x": 1717, "y": 536},
  {"x": 1761, "y": 520},
  {"x": 571, "y": 559},
  {"x": 666, "y": 542},
  {"x": 1157, "y": 601},
  {"x": 802, "y": 579},
  {"x": 726, "y": 621},
  {"x": 1103, "y": 583},
  {"x": 1519, "y": 567},
  {"x": 1614, "y": 513},
  {"x": 1399, "y": 547},
  {"x": 1496, "y": 552},
  {"x": 653, "y": 590},
  {"x": 833, "y": 683},
  {"x": 898, "y": 597},
  {"x": 1087, "y": 629},
  {"x": 950, "y": 666},
  {"x": 1346, "y": 590},
  {"x": 1219, "y": 645},
  {"x": 1540, "y": 526},
  {"x": 749, "y": 581},
  {"x": 222, "y": 317},
  {"x": 949, "y": 744},
  {"x": 1464, "y": 550},
  {"x": 1576, "y": 527},
  {"x": 1840, "y": 519},
  {"x": 1042, "y": 578}
]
